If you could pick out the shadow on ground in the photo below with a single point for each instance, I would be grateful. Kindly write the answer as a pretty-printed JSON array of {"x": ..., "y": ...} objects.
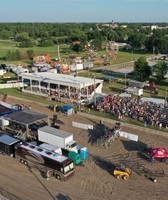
[
  {"x": 62, "y": 197},
  {"x": 133, "y": 145}
]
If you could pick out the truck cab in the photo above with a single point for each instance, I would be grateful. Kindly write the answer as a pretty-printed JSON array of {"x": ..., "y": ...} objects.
[{"x": 73, "y": 146}]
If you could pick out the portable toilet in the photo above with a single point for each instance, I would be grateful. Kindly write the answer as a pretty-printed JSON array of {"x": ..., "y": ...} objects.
[
  {"x": 84, "y": 153},
  {"x": 75, "y": 157}
]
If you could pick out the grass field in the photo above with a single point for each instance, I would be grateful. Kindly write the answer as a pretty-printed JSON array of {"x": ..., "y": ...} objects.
[{"x": 9, "y": 45}]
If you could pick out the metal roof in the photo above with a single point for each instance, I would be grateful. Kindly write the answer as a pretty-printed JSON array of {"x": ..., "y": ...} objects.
[
  {"x": 63, "y": 79},
  {"x": 25, "y": 117},
  {"x": 6, "y": 139},
  {"x": 55, "y": 131}
]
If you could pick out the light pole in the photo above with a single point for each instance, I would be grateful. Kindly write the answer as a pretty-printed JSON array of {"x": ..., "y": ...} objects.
[{"x": 94, "y": 91}]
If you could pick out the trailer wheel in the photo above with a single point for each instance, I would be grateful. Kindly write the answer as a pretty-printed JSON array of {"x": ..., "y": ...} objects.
[
  {"x": 22, "y": 161},
  {"x": 26, "y": 163},
  {"x": 58, "y": 176}
]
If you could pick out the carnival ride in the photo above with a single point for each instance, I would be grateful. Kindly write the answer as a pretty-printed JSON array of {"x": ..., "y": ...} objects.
[
  {"x": 44, "y": 62},
  {"x": 44, "y": 58},
  {"x": 112, "y": 49}
]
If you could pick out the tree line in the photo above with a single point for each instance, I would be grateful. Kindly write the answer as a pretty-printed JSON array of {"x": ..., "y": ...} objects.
[{"x": 49, "y": 34}]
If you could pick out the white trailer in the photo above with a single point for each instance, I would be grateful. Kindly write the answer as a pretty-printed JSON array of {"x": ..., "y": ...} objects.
[
  {"x": 57, "y": 138},
  {"x": 134, "y": 90}
]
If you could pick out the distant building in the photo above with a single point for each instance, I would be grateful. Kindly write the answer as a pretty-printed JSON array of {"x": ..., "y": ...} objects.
[{"x": 154, "y": 27}]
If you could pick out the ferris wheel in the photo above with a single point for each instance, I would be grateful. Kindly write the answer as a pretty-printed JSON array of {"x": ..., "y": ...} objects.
[{"x": 112, "y": 49}]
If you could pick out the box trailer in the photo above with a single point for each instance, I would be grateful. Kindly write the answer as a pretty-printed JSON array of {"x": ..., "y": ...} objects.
[
  {"x": 58, "y": 138},
  {"x": 63, "y": 140},
  {"x": 7, "y": 144}
]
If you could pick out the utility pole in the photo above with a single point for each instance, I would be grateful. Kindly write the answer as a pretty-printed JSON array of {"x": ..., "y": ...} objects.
[
  {"x": 165, "y": 97},
  {"x": 59, "y": 58},
  {"x": 125, "y": 80},
  {"x": 94, "y": 91}
]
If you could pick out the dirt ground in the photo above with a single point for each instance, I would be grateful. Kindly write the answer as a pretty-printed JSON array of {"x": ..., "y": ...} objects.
[{"x": 94, "y": 180}]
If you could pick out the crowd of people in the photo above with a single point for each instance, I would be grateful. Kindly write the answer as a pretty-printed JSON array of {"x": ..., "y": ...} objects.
[
  {"x": 146, "y": 112},
  {"x": 63, "y": 91}
]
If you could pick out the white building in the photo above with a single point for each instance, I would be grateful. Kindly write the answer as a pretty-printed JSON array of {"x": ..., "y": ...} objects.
[{"x": 57, "y": 86}]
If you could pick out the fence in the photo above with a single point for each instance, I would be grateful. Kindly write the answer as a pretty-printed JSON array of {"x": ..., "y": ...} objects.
[
  {"x": 147, "y": 130},
  {"x": 11, "y": 85}
]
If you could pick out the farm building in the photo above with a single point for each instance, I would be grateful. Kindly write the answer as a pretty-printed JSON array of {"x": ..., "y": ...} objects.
[{"x": 57, "y": 86}]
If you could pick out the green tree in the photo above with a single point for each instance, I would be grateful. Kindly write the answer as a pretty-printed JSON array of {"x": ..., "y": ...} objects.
[
  {"x": 4, "y": 34},
  {"x": 160, "y": 69},
  {"x": 9, "y": 56},
  {"x": 17, "y": 55},
  {"x": 46, "y": 42},
  {"x": 77, "y": 47},
  {"x": 22, "y": 37},
  {"x": 137, "y": 40},
  {"x": 141, "y": 69},
  {"x": 158, "y": 41},
  {"x": 26, "y": 43},
  {"x": 30, "y": 53}
]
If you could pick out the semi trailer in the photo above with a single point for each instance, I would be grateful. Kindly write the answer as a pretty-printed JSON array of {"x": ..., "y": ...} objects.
[{"x": 62, "y": 139}]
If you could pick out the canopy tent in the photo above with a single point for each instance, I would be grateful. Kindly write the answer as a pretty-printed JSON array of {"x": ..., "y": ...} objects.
[
  {"x": 153, "y": 100},
  {"x": 67, "y": 109},
  {"x": 24, "y": 123},
  {"x": 159, "y": 153},
  {"x": 25, "y": 117}
]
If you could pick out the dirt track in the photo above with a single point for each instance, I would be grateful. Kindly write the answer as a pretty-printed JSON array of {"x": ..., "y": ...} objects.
[{"x": 94, "y": 181}]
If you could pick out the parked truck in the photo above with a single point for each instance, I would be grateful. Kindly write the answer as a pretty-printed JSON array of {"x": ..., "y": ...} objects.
[{"x": 62, "y": 139}]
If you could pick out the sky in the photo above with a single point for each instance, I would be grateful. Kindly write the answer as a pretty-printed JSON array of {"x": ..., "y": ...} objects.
[{"x": 99, "y": 11}]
